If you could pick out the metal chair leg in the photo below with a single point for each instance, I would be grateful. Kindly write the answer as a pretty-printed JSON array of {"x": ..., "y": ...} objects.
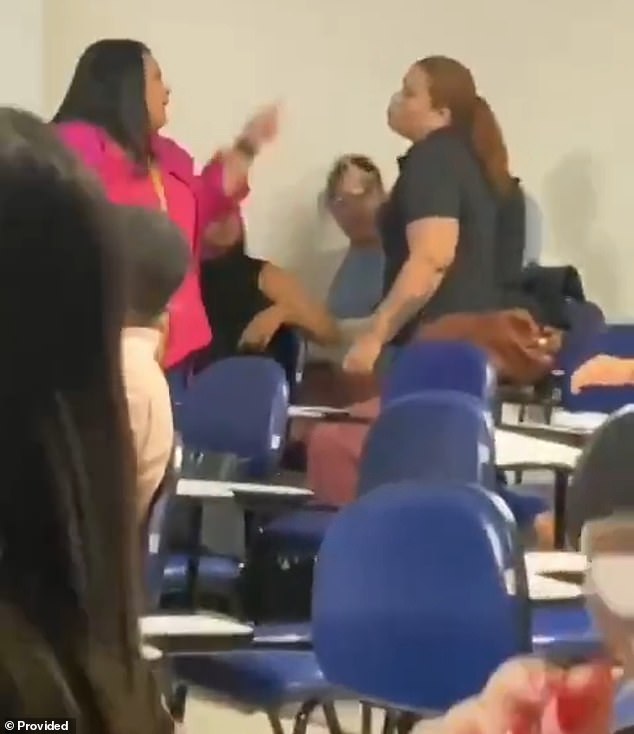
[
  {"x": 275, "y": 722},
  {"x": 177, "y": 702},
  {"x": 405, "y": 723},
  {"x": 389, "y": 723},
  {"x": 366, "y": 718},
  {"x": 302, "y": 718},
  {"x": 332, "y": 720}
]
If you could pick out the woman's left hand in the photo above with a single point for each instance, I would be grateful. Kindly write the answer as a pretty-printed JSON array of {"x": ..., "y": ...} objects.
[
  {"x": 262, "y": 328},
  {"x": 362, "y": 356}
]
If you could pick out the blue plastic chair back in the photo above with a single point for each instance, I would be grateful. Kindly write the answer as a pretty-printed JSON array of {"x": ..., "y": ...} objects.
[
  {"x": 288, "y": 348},
  {"x": 419, "y": 595},
  {"x": 617, "y": 339},
  {"x": 238, "y": 406},
  {"x": 440, "y": 365},
  {"x": 155, "y": 544},
  {"x": 177, "y": 381},
  {"x": 432, "y": 436}
]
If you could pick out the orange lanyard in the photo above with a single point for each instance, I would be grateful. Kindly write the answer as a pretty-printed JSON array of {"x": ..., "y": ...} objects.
[{"x": 159, "y": 187}]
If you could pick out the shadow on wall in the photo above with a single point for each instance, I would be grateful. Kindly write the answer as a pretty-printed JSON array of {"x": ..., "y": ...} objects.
[
  {"x": 572, "y": 200},
  {"x": 322, "y": 249},
  {"x": 534, "y": 229}
]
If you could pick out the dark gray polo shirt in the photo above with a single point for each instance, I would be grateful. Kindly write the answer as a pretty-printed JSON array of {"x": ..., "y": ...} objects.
[{"x": 441, "y": 177}]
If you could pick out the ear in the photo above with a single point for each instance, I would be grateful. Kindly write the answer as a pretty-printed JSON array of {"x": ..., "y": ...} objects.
[{"x": 444, "y": 115}]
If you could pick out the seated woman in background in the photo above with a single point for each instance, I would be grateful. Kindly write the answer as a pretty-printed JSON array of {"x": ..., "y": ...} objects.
[
  {"x": 69, "y": 636},
  {"x": 354, "y": 193},
  {"x": 248, "y": 300},
  {"x": 439, "y": 229}
]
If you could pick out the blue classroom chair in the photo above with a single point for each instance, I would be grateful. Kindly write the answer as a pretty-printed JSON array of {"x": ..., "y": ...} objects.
[
  {"x": 440, "y": 365},
  {"x": 426, "y": 365},
  {"x": 257, "y": 679},
  {"x": 153, "y": 540},
  {"x": 419, "y": 595},
  {"x": 288, "y": 348},
  {"x": 237, "y": 408},
  {"x": 565, "y": 631},
  {"x": 433, "y": 436},
  {"x": 439, "y": 435}
]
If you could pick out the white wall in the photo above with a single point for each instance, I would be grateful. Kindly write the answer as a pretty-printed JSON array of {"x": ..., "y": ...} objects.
[
  {"x": 556, "y": 72},
  {"x": 21, "y": 61}
]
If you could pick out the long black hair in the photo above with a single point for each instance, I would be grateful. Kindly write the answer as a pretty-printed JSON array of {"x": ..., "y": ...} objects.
[
  {"x": 68, "y": 547},
  {"x": 108, "y": 90}
]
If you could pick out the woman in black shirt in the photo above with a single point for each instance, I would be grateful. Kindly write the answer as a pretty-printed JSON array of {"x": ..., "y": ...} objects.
[
  {"x": 439, "y": 223},
  {"x": 248, "y": 300}
]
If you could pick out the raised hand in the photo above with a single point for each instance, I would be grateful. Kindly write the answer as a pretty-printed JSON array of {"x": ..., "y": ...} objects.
[{"x": 263, "y": 127}]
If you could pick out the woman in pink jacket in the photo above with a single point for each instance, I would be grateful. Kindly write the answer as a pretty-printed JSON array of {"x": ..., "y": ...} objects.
[{"x": 111, "y": 117}]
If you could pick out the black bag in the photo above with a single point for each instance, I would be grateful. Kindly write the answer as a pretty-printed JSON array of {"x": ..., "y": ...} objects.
[{"x": 278, "y": 578}]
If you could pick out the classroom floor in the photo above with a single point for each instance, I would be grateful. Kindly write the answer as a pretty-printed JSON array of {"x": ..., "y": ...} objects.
[{"x": 204, "y": 716}]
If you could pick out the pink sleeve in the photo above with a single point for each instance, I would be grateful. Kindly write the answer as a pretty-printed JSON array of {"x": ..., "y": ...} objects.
[
  {"x": 213, "y": 201},
  {"x": 86, "y": 141}
]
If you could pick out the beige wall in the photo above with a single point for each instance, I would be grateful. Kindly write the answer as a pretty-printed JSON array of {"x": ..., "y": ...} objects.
[
  {"x": 21, "y": 39},
  {"x": 556, "y": 71}
]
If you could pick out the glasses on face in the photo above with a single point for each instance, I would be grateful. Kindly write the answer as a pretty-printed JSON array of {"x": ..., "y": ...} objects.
[{"x": 354, "y": 197}]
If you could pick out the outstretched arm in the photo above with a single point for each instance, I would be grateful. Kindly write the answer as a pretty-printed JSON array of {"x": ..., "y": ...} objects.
[{"x": 296, "y": 306}]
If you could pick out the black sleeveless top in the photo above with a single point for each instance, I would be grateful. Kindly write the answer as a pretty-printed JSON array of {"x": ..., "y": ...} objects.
[{"x": 231, "y": 294}]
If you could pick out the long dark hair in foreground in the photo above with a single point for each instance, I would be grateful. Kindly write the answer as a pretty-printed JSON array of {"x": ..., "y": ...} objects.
[{"x": 68, "y": 563}]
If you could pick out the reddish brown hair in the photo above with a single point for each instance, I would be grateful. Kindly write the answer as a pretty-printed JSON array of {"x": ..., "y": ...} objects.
[{"x": 451, "y": 85}]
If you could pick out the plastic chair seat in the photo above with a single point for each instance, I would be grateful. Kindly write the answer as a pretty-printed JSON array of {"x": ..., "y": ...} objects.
[
  {"x": 175, "y": 574},
  {"x": 304, "y": 527},
  {"x": 216, "y": 574},
  {"x": 524, "y": 504},
  {"x": 258, "y": 678},
  {"x": 564, "y": 629}
]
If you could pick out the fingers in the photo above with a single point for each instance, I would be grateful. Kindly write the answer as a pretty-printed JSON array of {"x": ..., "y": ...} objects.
[
  {"x": 585, "y": 699},
  {"x": 526, "y": 679}
]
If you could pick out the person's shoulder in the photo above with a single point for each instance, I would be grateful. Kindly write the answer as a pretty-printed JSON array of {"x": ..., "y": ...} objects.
[
  {"x": 90, "y": 141},
  {"x": 78, "y": 129},
  {"x": 438, "y": 149}
]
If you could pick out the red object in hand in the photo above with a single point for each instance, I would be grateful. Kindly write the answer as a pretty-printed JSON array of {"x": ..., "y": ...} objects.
[{"x": 576, "y": 709}]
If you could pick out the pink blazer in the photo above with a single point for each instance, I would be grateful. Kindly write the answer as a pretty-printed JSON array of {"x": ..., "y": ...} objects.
[{"x": 193, "y": 201}]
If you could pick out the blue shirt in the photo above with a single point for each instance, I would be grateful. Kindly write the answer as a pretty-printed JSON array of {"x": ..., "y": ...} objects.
[{"x": 357, "y": 287}]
